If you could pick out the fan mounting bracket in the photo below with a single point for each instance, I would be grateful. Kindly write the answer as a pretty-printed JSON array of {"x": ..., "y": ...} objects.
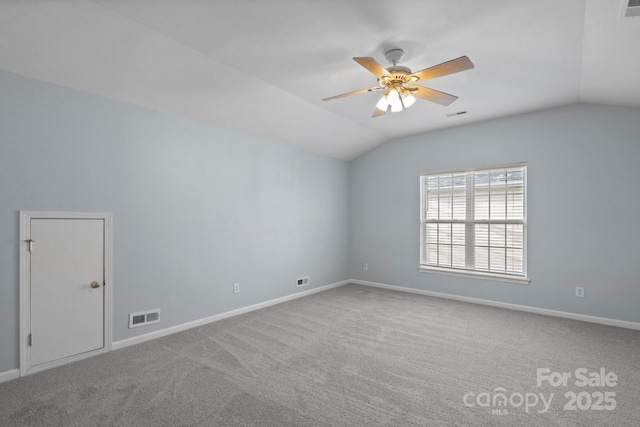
[{"x": 394, "y": 56}]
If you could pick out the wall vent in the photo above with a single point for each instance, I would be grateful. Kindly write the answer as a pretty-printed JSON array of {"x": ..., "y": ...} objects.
[
  {"x": 630, "y": 8},
  {"x": 303, "y": 281},
  {"x": 143, "y": 318}
]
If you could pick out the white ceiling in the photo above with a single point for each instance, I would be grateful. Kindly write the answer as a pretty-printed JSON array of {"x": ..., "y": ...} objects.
[{"x": 261, "y": 67}]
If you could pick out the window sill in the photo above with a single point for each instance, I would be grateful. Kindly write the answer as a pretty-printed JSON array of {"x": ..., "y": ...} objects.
[{"x": 475, "y": 275}]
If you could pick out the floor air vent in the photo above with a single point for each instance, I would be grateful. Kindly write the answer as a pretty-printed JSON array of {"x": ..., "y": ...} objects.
[{"x": 144, "y": 318}]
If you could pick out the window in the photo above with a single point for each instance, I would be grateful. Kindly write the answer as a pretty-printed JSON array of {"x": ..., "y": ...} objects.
[{"x": 474, "y": 223}]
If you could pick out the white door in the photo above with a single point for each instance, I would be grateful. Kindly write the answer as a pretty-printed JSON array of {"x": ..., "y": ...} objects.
[{"x": 67, "y": 292}]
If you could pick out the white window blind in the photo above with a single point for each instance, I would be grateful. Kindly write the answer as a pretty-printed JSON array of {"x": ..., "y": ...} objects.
[{"x": 475, "y": 221}]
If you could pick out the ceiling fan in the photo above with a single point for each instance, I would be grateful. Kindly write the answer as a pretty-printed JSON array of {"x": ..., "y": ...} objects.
[{"x": 400, "y": 83}]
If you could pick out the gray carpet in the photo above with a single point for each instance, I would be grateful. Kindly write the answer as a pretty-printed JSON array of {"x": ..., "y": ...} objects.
[{"x": 351, "y": 356}]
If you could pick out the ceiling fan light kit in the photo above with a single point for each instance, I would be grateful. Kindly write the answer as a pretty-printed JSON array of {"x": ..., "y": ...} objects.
[{"x": 401, "y": 85}]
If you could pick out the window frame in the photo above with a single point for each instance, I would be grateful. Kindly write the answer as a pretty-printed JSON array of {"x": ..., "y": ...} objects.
[{"x": 466, "y": 272}]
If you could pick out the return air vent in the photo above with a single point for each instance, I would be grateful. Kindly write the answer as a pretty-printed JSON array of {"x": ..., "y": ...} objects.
[
  {"x": 630, "y": 8},
  {"x": 144, "y": 318}
]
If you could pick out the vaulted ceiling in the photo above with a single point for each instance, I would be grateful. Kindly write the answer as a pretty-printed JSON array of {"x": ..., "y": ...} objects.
[{"x": 261, "y": 67}]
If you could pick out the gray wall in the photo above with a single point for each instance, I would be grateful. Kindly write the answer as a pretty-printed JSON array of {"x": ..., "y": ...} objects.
[
  {"x": 195, "y": 208},
  {"x": 583, "y": 207},
  {"x": 198, "y": 208}
]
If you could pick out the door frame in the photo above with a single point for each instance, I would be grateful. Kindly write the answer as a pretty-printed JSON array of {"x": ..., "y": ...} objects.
[{"x": 25, "y": 286}]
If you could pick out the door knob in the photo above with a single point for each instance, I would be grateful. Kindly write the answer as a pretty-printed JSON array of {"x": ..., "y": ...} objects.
[{"x": 95, "y": 284}]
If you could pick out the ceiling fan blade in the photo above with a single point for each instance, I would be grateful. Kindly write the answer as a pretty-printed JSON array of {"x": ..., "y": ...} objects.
[
  {"x": 355, "y": 92},
  {"x": 373, "y": 66},
  {"x": 432, "y": 95},
  {"x": 444, "y": 69},
  {"x": 378, "y": 112}
]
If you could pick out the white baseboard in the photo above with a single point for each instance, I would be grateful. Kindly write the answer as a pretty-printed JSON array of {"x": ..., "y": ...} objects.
[
  {"x": 15, "y": 373},
  {"x": 9, "y": 375},
  {"x": 183, "y": 327},
  {"x": 528, "y": 309}
]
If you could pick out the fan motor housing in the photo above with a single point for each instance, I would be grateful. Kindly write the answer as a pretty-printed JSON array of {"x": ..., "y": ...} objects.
[{"x": 399, "y": 73}]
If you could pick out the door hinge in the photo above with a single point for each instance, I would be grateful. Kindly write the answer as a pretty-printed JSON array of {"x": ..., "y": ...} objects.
[
  {"x": 30, "y": 339},
  {"x": 30, "y": 242}
]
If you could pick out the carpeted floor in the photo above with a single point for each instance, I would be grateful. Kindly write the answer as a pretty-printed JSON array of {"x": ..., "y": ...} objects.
[{"x": 351, "y": 356}]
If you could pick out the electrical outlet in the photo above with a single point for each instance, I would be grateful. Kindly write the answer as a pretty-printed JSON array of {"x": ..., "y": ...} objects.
[
  {"x": 365, "y": 266},
  {"x": 236, "y": 288},
  {"x": 580, "y": 291}
]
